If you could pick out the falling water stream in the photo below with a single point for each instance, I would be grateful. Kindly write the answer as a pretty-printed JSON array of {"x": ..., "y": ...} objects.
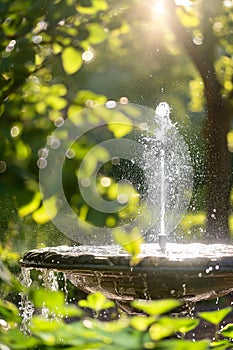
[
  {"x": 27, "y": 309},
  {"x": 26, "y": 306},
  {"x": 162, "y": 112}
]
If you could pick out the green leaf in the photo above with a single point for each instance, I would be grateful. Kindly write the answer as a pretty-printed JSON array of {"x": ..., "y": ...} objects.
[
  {"x": 40, "y": 324},
  {"x": 17, "y": 340},
  {"x": 159, "y": 331},
  {"x": 156, "y": 307},
  {"x": 83, "y": 96},
  {"x": 71, "y": 60},
  {"x": 141, "y": 323},
  {"x": 97, "y": 33},
  {"x": 182, "y": 325},
  {"x": 96, "y": 302},
  {"x": 58, "y": 90},
  {"x": 93, "y": 7},
  {"x": 9, "y": 311},
  {"x": 47, "y": 211},
  {"x": 168, "y": 326},
  {"x": 112, "y": 326},
  {"x": 53, "y": 300},
  {"x": 56, "y": 102},
  {"x": 127, "y": 338},
  {"x": 31, "y": 206},
  {"x": 227, "y": 331},
  {"x": 221, "y": 345},
  {"x": 215, "y": 317},
  {"x": 131, "y": 242},
  {"x": 187, "y": 18}
]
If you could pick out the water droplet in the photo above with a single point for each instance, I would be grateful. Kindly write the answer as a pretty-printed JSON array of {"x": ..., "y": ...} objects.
[
  {"x": 208, "y": 270},
  {"x": 184, "y": 289}
]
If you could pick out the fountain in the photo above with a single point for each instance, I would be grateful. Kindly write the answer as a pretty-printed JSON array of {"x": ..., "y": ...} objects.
[{"x": 192, "y": 271}]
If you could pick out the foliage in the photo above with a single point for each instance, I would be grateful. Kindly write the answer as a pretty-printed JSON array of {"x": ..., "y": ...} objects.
[
  {"x": 53, "y": 64},
  {"x": 62, "y": 326}
]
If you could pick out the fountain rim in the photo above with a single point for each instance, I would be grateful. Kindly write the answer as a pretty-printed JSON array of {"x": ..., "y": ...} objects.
[
  {"x": 135, "y": 269},
  {"x": 78, "y": 260}
]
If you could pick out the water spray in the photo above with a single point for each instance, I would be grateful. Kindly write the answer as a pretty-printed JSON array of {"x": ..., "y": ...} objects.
[{"x": 162, "y": 117}]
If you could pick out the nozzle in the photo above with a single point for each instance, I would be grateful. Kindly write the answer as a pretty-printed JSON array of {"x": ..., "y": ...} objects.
[{"x": 162, "y": 242}]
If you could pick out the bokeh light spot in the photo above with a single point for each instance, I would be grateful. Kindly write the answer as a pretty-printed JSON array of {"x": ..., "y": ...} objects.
[
  {"x": 2, "y": 166},
  {"x": 85, "y": 182},
  {"x": 105, "y": 181},
  {"x": 111, "y": 104},
  {"x": 42, "y": 163},
  {"x": 88, "y": 56},
  {"x": 15, "y": 131}
]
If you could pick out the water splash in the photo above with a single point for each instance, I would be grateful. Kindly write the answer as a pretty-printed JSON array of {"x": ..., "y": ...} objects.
[
  {"x": 50, "y": 280},
  {"x": 26, "y": 307},
  {"x": 162, "y": 117}
]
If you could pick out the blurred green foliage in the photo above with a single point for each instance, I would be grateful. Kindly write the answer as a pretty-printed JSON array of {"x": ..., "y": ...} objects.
[
  {"x": 56, "y": 325},
  {"x": 60, "y": 57},
  {"x": 56, "y": 59}
]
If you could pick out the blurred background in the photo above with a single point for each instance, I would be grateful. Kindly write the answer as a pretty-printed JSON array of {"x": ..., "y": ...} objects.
[{"x": 62, "y": 56}]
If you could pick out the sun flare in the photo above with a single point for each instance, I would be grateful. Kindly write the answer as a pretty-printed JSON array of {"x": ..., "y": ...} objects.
[{"x": 159, "y": 7}]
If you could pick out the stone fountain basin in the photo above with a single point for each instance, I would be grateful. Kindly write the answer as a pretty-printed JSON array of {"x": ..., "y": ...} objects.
[{"x": 190, "y": 271}]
